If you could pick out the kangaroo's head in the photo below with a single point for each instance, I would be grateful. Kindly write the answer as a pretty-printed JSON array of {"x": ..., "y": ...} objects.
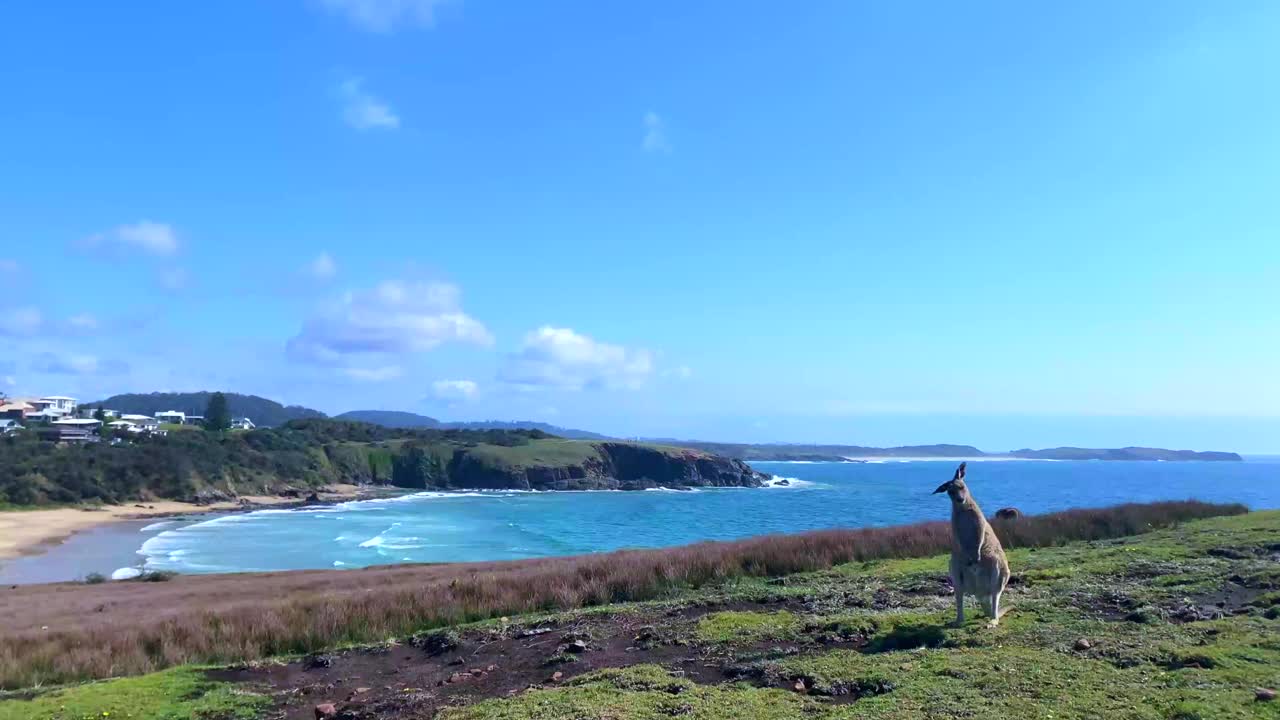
[{"x": 955, "y": 487}]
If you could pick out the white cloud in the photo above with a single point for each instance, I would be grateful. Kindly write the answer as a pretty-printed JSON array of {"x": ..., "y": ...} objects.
[
  {"x": 363, "y": 111},
  {"x": 83, "y": 321},
  {"x": 377, "y": 374},
  {"x": 20, "y": 321},
  {"x": 655, "y": 134},
  {"x": 392, "y": 318},
  {"x": 386, "y": 15},
  {"x": 145, "y": 236},
  {"x": 682, "y": 372},
  {"x": 561, "y": 358},
  {"x": 72, "y": 364},
  {"x": 454, "y": 390},
  {"x": 323, "y": 267}
]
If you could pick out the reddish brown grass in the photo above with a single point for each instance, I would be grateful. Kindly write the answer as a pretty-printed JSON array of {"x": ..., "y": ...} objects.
[{"x": 64, "y": 632}]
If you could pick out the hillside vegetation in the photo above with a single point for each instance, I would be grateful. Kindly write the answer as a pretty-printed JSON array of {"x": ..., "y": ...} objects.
[
  {"x": 203, "y": 466},
  {"x": 1138, "y": 612},
  {"x": 263, "y": 412}
]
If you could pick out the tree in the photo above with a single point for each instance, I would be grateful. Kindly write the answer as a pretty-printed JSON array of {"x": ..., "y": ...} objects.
[
  {"x": 100, "y": 415},
  {"x": 216, "y": 415}
]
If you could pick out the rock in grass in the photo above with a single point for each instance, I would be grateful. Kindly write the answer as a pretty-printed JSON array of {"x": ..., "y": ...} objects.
[
  {"x": 325, "y": 711},
  {"x": 1264, "y": 694},
  {"x": 1083, "y": 644},
  {"x": 317, "y": 661}
]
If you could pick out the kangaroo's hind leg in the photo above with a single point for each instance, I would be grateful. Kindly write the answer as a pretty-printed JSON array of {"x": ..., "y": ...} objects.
[{"x": 997, "y": 588}]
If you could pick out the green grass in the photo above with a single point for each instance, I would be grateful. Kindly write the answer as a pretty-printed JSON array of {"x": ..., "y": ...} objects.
[
  {"x": 748, "y": 627},
  {"x": 539, "y": 453},
  {"x": 643, "y": 691},
  {"x": 176, "y": 694},
  {"x": 176, "y": 427}
]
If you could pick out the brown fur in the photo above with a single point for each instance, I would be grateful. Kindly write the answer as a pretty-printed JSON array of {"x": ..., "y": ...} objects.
[{"x": 978, "y": 564}]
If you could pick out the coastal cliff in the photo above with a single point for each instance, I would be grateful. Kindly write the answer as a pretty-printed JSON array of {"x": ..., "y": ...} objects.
[
  {"x": 307, "y": 454},
  {"x": 600, "y": 466}
]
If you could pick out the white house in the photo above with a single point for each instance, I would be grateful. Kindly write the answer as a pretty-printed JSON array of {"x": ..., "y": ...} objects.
[
  {"x": 145, "y": 422},
  {"x": 242, "y": 423},
  {"x": 8, "y": 426},
  {"x": 86, "y": 423},
  {"x": 66, "y": 405},
  {"x": 88, "y": 411},
  {"x": 172, "y": 416}
]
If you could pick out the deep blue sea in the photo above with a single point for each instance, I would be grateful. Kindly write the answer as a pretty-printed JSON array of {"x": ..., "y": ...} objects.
[{"x": 440, "y": 527}]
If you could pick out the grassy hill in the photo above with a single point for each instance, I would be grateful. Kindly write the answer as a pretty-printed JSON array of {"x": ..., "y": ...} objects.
[
  {"x": 1178, "y": 622},
  {"x": 398, "y": 419}
]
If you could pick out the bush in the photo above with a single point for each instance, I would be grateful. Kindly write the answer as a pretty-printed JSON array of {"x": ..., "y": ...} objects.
[{"x": 94, "y": 578}]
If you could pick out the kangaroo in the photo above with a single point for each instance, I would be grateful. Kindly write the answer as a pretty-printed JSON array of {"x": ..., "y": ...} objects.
[{"x": 978, "y": 565}]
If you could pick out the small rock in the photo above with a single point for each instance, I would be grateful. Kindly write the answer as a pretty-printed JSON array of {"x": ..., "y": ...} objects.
[
  {"x": 361, "y": 691},
  {"x": 324, "y": 711},
  {"x": 491, "y": 668},
  {"x": 1083, "y": 644},
  {"x": 317, "y": 661},
  {"x": 799, "y": 686},
  {"x": 556, "y": 677},
  {"x": 477, "y": 672},
  {"x": 576, "y": 646},
  {"x": 459, "y": 677},
  {"x": 1264, "y": 694}
]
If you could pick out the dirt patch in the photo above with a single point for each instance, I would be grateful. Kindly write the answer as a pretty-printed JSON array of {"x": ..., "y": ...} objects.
[{"x": 438, "y": 669}]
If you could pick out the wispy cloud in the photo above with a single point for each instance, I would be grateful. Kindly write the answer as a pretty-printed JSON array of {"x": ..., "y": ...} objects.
[
  {"x": 362, "y": 110},
  {"x": 376, "y": 374},
  {"x": 174, "y": 279},
  {"x": 83, "y": 322},
  {"x": 73, "y": 364},
  {"x": 655, "y": 134},
  {"x": 323, "y": 267},
  {"x": 21, "y": 321},
  {"x": 452, "y": 391},
  {"x": 386, "y": 15},
  {"x": 145, "y": 236},
  {"x": 561, "y": 358}
]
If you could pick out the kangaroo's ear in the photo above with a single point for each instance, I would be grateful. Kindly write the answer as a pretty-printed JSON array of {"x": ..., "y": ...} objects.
[{"x": 960, "y": 472}]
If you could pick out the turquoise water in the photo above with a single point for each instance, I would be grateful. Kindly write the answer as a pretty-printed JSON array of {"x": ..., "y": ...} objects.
[{"x": 441, "y": 527}]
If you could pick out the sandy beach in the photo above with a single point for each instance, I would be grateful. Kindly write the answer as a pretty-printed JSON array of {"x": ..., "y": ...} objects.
[{"x": 25, "y": 532}]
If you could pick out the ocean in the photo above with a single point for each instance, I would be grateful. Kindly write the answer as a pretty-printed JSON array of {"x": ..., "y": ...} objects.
[{"x": 467, "y": 526}]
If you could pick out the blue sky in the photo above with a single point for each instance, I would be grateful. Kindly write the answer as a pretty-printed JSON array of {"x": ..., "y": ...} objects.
[{"x": 1004, "y": 224}]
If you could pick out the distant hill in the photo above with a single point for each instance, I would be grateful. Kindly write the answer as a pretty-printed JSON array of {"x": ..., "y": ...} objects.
[
  {"x": 390, "y": 418},
  {"x": 408, "y": 420},
  {"x": 1126, "y": 453},
  {"x": 818, "y": 453},
  {"x": 549, "y": 429},
  {"x": 263, "y": 412}
]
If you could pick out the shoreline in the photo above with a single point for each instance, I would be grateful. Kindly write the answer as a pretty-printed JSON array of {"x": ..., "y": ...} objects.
[{"x": 24, "y": 533}]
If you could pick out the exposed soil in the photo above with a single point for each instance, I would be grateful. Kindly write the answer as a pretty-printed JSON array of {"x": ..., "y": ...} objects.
[{"x": 404, "y": 681}]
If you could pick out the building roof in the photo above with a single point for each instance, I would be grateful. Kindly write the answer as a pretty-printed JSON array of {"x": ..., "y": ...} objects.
[
  {"x": 170, "y": 412},
  {"x": 15, "y": 405},
  {"x": 82, "y": 422},
  {"x": 120, "y": 423},
  {"x": 57, "y": 397},
  {"x": 136, "y": 417}
]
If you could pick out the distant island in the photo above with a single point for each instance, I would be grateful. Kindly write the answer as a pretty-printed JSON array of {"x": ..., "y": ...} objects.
[{"x": 785, "y": 452}]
